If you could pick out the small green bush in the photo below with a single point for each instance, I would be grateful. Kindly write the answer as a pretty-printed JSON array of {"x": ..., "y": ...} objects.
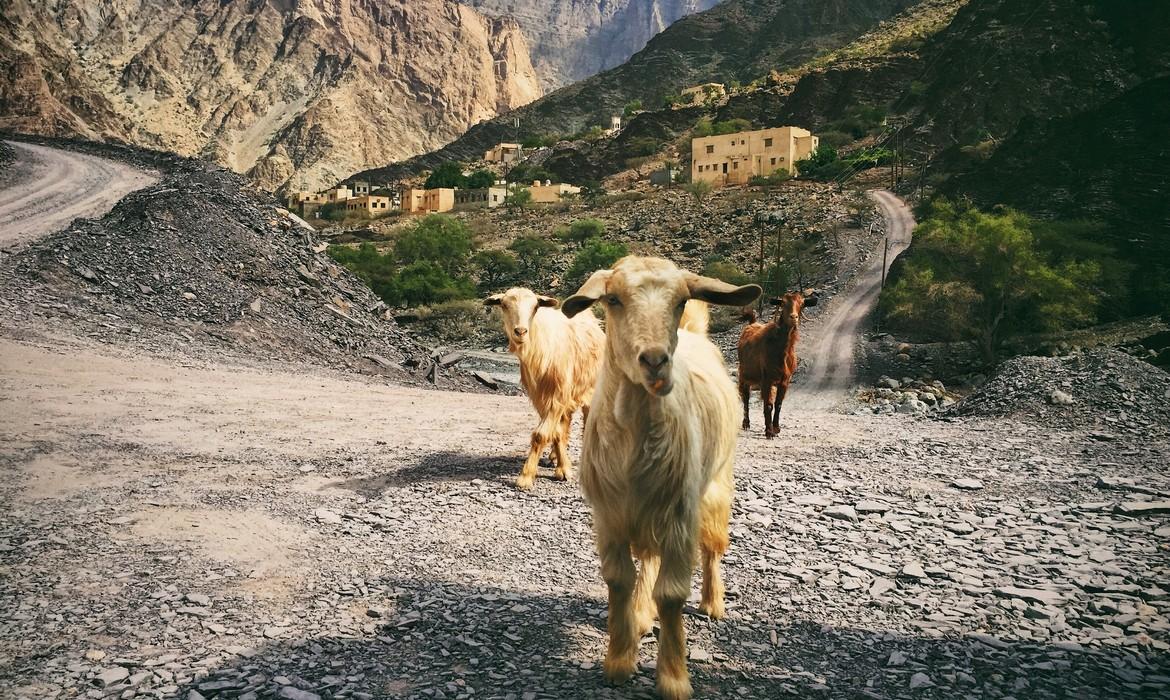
[
  {"x": 596, "y": 254},
  {"x": 581, "y": 230}
]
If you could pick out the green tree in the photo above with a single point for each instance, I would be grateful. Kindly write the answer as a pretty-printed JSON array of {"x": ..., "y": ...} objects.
[
  {"x": 596, "y": 254},
  {"x": 731, "y": 126},
  {"x": 699, "y": 189},
  {"x": 592, "y": 191},
  {"x": 981, "y": 276},
  {"x": 480, "y": 179},
  {"x": 703, "y": 127},
  {"x": 426, "y": 282},
  {"x": 519, "y": 197},
  {"x": 496, "y": 268},
  {"x": 376, "y": 269},
  {"x": 534, "y": 255},
  {"x": 821, "y": 164},
  {"x": 449, "y": 174},
  {"x": 443, "y": 240},
  {"x": 631, "y": 107}
]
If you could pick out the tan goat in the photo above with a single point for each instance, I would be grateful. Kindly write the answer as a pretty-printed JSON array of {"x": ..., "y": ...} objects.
[
  {"x": 656, "y": 463},
  {"x": 559, "y": 358}
]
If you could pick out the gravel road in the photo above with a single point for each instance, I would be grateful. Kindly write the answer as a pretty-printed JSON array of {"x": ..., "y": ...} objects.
[
  {"x": 177, "y": 527},
  {"x": 46, "y": 188},
  {"x": 831, "y": 345}
]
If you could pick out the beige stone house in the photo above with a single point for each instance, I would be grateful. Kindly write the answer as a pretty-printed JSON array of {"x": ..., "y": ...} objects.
[
  {"x": 503, "y": 153},
  {"x": 419, "y": 201},
  {"x": 733, "y": 159},
  {"x": 550, "y": 193},
  {"x": 481, "y": 198},
  {"x": 698, "y": 94},
  {"x": 373, "y": 205}
]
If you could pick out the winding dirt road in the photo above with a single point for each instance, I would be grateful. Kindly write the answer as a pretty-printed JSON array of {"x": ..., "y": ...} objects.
[
  {"x": 46, "y": 188},
  {"x": 830, "y": 356}
]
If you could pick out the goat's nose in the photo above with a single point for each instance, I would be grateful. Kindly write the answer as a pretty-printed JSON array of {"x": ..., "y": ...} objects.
[
  {"x": 654, "y": 359},
  {"x": 519, "y": 331}
]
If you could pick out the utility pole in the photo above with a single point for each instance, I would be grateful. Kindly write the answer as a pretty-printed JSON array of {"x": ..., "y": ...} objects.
[
  {"x": 760, "y": 273},
  {"x": 885, "y": 253}
]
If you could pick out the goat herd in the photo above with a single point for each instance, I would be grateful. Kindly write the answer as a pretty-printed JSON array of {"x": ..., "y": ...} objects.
[{"x": 661, "y": 422}]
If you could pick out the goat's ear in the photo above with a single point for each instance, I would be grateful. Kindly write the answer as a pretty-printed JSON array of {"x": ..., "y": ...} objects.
[
  {"x": 715, "y": 291},
  {"x": 547, "y": 301},
  {"x": 494, "y": 300},
  {"x": 589, "y": 292}
]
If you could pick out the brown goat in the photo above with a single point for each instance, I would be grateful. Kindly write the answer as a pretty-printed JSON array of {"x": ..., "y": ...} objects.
[{"x": 767, "y": 357}]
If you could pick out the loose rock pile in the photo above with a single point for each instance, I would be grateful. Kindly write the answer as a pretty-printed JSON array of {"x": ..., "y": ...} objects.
[
  {"x": 1100, "y": 389},
  {"x": 199, "y": 261},
  {"x": 907, "y": 396}
]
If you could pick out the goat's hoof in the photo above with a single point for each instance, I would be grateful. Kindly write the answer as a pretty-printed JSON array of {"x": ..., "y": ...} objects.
[
  {"x": 747, "y": 425},
  {"x": 561, "y": 474},
  {"x": 714, "y": 609},
  {"x": 618, "y": 671},
  {"x": 769, "y": 435},
  {"x": 524, "y": 482},
  {"x": 674, "y": 687}
]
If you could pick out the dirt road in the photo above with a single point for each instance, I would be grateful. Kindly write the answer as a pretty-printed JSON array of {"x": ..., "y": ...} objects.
[
  {"x": 830, "y": 354},
  {"x": 46, "y": 188}
]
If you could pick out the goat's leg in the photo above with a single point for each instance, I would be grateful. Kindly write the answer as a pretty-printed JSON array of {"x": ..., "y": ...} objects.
[
  {"x": 768, "y": 396},
  {"x": 670, "y": 593},
  {"x": 713, "y": 542},
  {"x": 745, "y": 393},
  {"x": 561, "y": 447},
  {"x": 541, "y": 437},
  {"x": 644, "y": 607},
  {"x": 617, "y": 568},
  {"x": 780, "y": 394}
]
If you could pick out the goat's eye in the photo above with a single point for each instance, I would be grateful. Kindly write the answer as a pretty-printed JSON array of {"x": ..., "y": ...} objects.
[{"x": 612, "y": 300}]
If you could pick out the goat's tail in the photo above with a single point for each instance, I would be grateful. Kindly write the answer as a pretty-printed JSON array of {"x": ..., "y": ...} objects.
[
  {"x": 696, "y": 317},
  {"x": 748, "y": 315}
]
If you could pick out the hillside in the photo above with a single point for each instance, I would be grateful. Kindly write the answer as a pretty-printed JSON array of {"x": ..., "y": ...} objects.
[
  {"x": 297, "y": 94},
  {"x": 737, "y": 41},
  {"x": 572, "y": 40}
]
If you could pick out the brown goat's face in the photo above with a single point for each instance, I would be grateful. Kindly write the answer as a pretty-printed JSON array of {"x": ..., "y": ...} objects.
[
  {"x": 644, "y": 300},
  {"x": 790, "y": 307},
  {"x": 517, "y": 308}
]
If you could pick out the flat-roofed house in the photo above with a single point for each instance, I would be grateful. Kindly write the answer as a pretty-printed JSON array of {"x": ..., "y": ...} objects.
[
  {"x": 371, "y": 204},
  {"x": 503, "y": 153},
  {"x": 733, "y": 159},
  {"x": 550, "y": 193},
  {"x": 481, "y": 197},
  {"x": 418, "y": 201}
]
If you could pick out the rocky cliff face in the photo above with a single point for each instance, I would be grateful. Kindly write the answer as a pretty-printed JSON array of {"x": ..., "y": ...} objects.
[
  {"x": 574, "y": 39},
  {"x": 294, "y": 93}
]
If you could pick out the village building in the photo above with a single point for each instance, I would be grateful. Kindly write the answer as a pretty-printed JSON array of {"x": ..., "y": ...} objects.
[
  {"x": 503, "y": 153},
  {"x": 480, "y": 198},
  {"x": 550, "y": 193},
  {"x": 697, "y": 95},
  {"x": 360, "y": 188},
  {"x": 371, "y": 204},
  {"x": 664, "y": 177},
  {"x": 615, "y": 126},
  {"x": 337, "y": 194},
  {"x": 419, "y": 201},
  {"x": 733, "y": 159}
]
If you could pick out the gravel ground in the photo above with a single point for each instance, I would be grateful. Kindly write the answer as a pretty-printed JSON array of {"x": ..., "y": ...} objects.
[{"x": 239, "y": 532}]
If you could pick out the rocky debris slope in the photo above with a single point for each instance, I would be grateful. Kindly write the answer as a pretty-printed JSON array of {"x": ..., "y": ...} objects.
[
  {"x": 1101, "y": 389},
  {"x": 299, "y": 94},
  {"x": 907, "y": 396},
  {"x": 200, "y": 262}
]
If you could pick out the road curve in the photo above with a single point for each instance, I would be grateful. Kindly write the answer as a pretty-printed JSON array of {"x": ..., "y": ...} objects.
[
  {"x": 830, "y": 356},
  {"x": 46, "y": 188}
]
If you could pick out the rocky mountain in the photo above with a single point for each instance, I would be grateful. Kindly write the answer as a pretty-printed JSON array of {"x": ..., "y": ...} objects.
[
  {"x": 296, "y": 93},
  {"x": 574, "y": 39},
  {"x": 736, "y": 41}
]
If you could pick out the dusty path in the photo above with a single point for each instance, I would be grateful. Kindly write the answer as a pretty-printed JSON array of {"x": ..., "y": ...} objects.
[
  {"x": 830, "y": 354},
  {"x": 46, "y": 188},
  {"x": 172, "y": 525}
]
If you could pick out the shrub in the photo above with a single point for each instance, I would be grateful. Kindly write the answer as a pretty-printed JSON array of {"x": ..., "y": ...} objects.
[
  {"x": 983, "y": 276},
  {"x": 375, "y": 269},
  {"x": 699, "y": 189},
  {"x": 455, "y": 321},
  {"x": 518, "y": 197},
  {"x": 528, "y": 173},
  {"x": 821, "y": 164},
  {"x": 643, "y": 146},
  {"x": 534, "y": 256},
  {"x": 778, "y": 177},
  {"x": 581, "y": 230},
  {"x": 725, "y": 270},
  {"x": 631, "y": 107},
  {"x": 592, "y": 191},
  {"x": 636, "y": 164},
  {"x": 596, "y": 254},
  {"x": 731, "y": 126},
  {"x": 426, "y": 282}
]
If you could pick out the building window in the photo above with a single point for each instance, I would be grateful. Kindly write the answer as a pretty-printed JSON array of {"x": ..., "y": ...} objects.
[
  {"x": 711, "y": 149},
  {"x": 767, "y": 143},
  {"x": 773, "y": 161},
  {"x": 735, "y": 165}
]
